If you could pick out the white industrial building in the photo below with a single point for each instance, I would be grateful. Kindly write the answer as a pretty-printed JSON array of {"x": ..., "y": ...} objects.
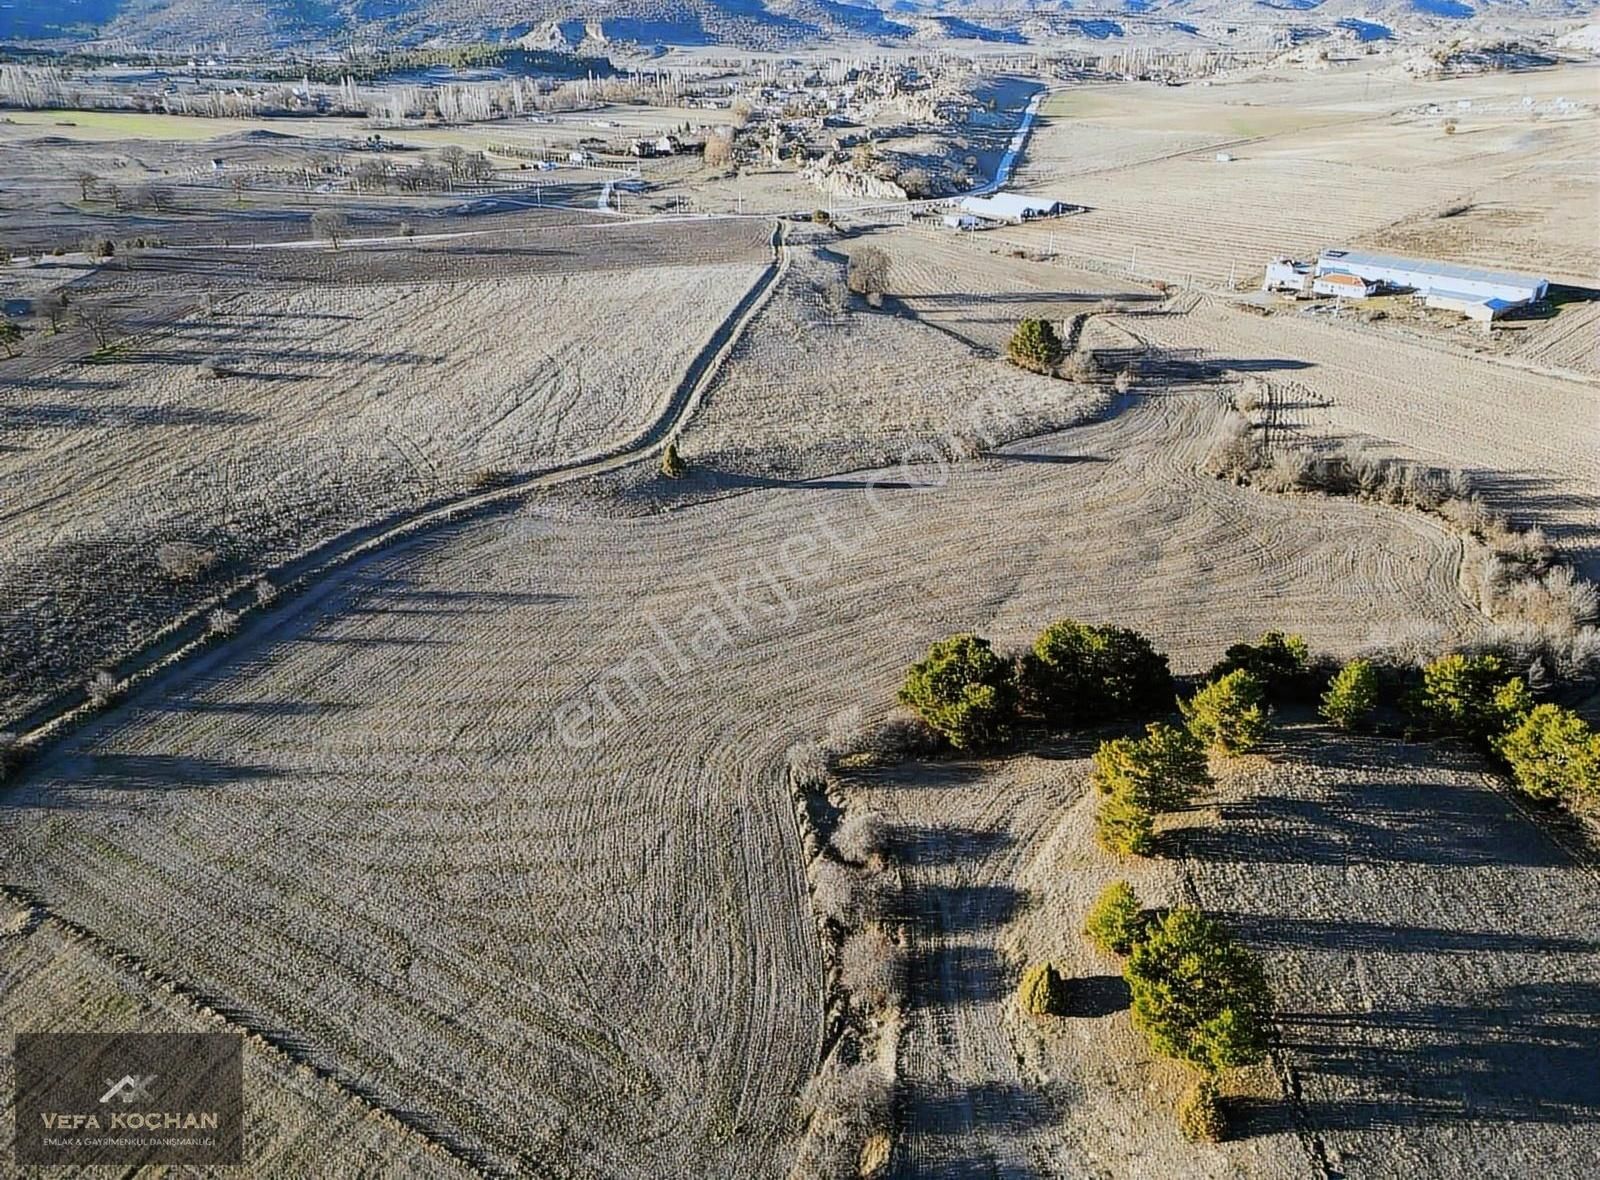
[
  {"x": 1474, "y": 292},
  {"x": 1011, "y": 207}
]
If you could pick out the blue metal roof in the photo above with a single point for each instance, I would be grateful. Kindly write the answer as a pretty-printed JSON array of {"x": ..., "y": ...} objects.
[{"x": 1443, "y": 270}]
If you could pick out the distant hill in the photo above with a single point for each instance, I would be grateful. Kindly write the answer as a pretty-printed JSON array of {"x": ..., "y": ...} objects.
[{"x": 754, "y": 23}]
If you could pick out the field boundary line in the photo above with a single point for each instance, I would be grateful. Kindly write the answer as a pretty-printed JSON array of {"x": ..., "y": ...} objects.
[
  {"x": 189, "y": 636},
  {"x": 276, "y": 1045}
]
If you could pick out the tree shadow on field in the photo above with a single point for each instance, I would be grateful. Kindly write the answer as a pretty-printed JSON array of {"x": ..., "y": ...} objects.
[
  {"x": 257, "y": 708},
  {"x": 1098, "y": 995},
  {"x": 950, "y": 1122},
  {"x": 954, "y": 909},
  {"x": 1023, "y": 457},
  {"x": 1339, "y": 935},
  {"x": 85, "y": 776},
  {"x": 125, "y": 417},
  {"x": 1376, "y": 823},
  {"x": 927, "y": 845},
  {"x": 1521, "y": 1054},
  {"x": 955, "y": 976},
  {"x": 921, "y": 775}
]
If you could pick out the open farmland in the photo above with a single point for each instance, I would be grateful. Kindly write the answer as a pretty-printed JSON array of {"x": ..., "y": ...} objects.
[
  {"x": 450, "y": 880},
  {"x": 461, "y": 658},
  {"x": 1353, "y": 159},
  {"x": 336, "y": 406}
]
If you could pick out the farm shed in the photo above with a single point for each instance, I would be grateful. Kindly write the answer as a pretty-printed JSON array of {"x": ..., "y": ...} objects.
[
  {"x": 960, "y": 221},
  {"x": 1288, "y": 274},
  {"x": 1343, "y": 286},
  {"x": 1011, "y": 207},
  {"x": 1440, "y": 283}
]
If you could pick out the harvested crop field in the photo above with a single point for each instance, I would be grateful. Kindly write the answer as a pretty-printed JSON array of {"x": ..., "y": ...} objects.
[
  {"x": 56, "y": 981},
  {"x": 1528, "y": 436},
  {"x": 290, "y": 415},
  {"x": 546, "y": 848},
  {"x": 1356, "y": 159}
]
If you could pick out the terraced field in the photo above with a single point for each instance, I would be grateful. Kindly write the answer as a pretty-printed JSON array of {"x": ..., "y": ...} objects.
[{"x": 493, "y": 826}]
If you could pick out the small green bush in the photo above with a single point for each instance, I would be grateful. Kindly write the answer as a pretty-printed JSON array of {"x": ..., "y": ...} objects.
[
  {"x": 1200, "y": 1117},
  {"x": 1034, "y": 345},
  {"x": 1043, "y": 992},
  {"x": 1123, "y": 827},
  {"x": 964, "y": 691},
  {"x": 1553, "y": 754},
  {"x": 1082, "y": 674},
  {"x": 672, "y": 464},
  {"x": 1230, "y": 714},
  {"x": 1139, "y": 777},
  {"x": 1198, "y": 995},
  {"x": 1472, "y": 696},
  {"x": 1280, "y": 662},
  {"x": 1160, "y": 771},
  {"x": 1116, "y": 920},
  {"x": 1352, "y": 695}
]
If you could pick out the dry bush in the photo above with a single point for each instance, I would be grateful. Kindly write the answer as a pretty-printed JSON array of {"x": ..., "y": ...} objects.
[
  {"x": 1082, "y": 367},
  {"x": 902, "y": 735},
  {"x": 101, "y": 689},
  {"x": 1125, "y": 381},
  {"x": 1235, "y": 452},
  {"x": 835, "y": 299},
  {"x": 222, "y": 622},
  {"x": 808, "y": 766},
  {"x": 184, "y": 561},
  {"x": 863, "y": 837},
  {"x": 872, "y": 968},
  {"x": 847, "y": 896},
  {"x": 1252, "y": 395},
  {"x": 719, "y": 149},
  {"x": 845, "y": 731},
  {"x": 1289, "y": 470},
  {"x": 846, "y": 1108},
  {"x": 868, "y": 273},
  {"x": 265, "y": 592},
  {"x": 1558, "y": 600}
]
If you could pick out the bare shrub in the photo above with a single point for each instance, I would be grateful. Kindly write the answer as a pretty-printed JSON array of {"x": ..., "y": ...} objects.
[
  {"x": 847, "y": 896},
  {"x": 330, "y": 225},
  {"x": 1289, "y": 470},
  {"x": 1252, "y": 395},
  {"x": 808, "y": 766},
  {"x": 872, "y": 968},
  {"x": 184, "y": 561},
  {"x": 1235, "y": 452},
  {"x": 1125, "y": 381},
  {"x": 101, "y": 689},
  {"x": 863, "y": 837},
  {"x": 868, "y": 273},
  {"x": 719, "y": 149},
  {"x": 847, "y": 1108},
  {"x": 1082, "y": 367},
  {"x": 265, "y": 592},
  {"x": 222, "y": 622},
  {"x": 844, "y": 731},
  {"x": 902, "y": 735}
]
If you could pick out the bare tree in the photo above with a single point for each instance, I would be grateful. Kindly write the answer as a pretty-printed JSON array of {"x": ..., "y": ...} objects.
[
  {"x": 86, "y": 183},
  {"x": 238, "y": 182},
  {"x": 57, "y": 305},
  {"x": 835, "y": 298},
  {"x": 101, "y": 321},
  {"x": 454, "y": 157},
  {"x": 719, "y": 148},
  {"x": 330, "y": 225},
  {"x": 10, "y": 337},
  {"x": 158, "y": 197}
]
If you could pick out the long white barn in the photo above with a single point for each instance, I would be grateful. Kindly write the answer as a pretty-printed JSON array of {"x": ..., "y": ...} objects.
[{"x": 1470, "y": 289}]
